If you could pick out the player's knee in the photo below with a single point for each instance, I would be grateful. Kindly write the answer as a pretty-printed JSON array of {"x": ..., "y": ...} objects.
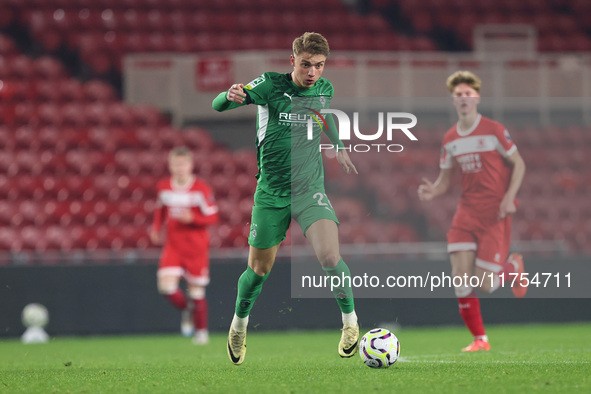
[
  {"x": 462, "y": 291},
  {"x": 196, "y": 292},
  {"x": 329, "y": 259},
  {"x": 167, "y": 288},
  {"x": 490, "y": 284},
  {"x": 260, "y": 269}
]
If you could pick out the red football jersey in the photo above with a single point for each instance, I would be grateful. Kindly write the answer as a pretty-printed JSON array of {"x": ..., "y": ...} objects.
[
  {"x": 479, "y": 153},
  {"x": 173, "y": 200}
]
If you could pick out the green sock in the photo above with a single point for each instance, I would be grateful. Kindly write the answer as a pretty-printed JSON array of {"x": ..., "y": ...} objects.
[
  {"x": 249, "y": 287},
  {"x": 342, "y": 293}
]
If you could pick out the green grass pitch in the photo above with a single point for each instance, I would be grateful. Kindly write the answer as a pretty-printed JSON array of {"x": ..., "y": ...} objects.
[{"x": 523, "y": 359}]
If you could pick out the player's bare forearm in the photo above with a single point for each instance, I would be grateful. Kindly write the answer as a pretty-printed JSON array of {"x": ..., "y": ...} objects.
[
  {"x": 155, "y": 237},
  {"x": 429, "y": 190},
  {"x": 159, "y": 217},
  {"x": 442, "y": 183},
  {"x": 345, "y": 161},
  {"x": 517, "y": 175}
]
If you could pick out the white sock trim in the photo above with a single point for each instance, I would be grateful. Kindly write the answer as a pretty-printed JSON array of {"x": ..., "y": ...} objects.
[
  {"x": 514, "y": 264},
  {"x": 239, "y": 323},
  {"x": 482, "y": 337},
  {"x": 496, "y": 283},
  {"x": 349, "y": 318}
]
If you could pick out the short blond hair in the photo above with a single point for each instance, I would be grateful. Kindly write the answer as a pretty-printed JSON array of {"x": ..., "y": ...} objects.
[
  {"x": 463, "y": 76},
  {"x": 180, "y": 151},
  {"x": 312, "y": 43}
]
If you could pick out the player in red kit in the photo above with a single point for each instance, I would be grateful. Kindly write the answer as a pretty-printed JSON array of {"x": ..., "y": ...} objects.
[
  {"x": 187, "y": 206},
  {"x": 492, "y": 171}
]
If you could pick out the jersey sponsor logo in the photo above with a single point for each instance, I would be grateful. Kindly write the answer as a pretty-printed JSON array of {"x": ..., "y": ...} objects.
[
  {"x": 301, "y": 119},
  {"x": 290, "y": 97},
  {"x": 255, "y": 82},
  {"x": 470, "y": 163}
]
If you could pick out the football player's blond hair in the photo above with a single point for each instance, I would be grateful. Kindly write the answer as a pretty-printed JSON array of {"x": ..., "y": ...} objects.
[
  {"x": 466, "y": 77},
  {"x": 312, "y": 43},
  {"x": 180, "y": 151}
]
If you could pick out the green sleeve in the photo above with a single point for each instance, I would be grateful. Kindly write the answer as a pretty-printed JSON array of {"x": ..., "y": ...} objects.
[
  {"x": 221, "y": 103},
  {"x": 256, "y": 91},
  {"x": 332, "y": 131}
]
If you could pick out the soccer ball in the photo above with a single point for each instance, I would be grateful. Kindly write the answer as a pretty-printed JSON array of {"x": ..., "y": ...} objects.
[
  {"x": 35, "y": 315},
  {"x": 379, "y": 348}
]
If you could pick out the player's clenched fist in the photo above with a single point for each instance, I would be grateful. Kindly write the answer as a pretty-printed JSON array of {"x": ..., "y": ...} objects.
[{"x": 236, "y": 93}]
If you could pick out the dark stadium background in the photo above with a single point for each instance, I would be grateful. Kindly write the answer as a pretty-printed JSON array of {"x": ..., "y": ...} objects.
[{"x": 78, "y": 165}]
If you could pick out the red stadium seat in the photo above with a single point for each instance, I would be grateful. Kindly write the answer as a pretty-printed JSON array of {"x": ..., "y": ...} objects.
[
  {"x": 146, "y": 115},
  {"x": 98, "y": 91},
  {"x": 48, "y": 68},
  {"x": 28, "y": 163},
  {"x": 73, "y": 115},
  {"x": 33, "y": 238},
  {"x": 120, "y": 115},
  {"x": 7, "y": 210},
  {"x": 198, "y": 139},
  {"x": 169, "y": 137},
  {"x": 153, "y": 163},
  {"x": 48, "y": 91},
  {"x": 7, "y": 45},
  {"x": 49, "y": 114},
  {"x": 32, "y": 213},
  {"x": 71, "y": 90},
  {"x": 22, "y": 67}
]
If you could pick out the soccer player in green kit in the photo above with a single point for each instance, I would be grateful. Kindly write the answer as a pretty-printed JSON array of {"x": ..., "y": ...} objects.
[{"x": 291, "y": 182}]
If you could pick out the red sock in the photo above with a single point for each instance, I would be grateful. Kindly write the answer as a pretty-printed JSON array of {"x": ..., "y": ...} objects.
[
  {"x": 470, "y": 312},
  {"x": 508, "y": 268},
  {"x": 505, "y": 273},
  {"x": 177, "y": 299},
  {"x": 200, "y": 314}
]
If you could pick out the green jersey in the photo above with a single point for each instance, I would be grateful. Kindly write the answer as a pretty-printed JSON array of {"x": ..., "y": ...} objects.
[{"x": 288, "y": 158}]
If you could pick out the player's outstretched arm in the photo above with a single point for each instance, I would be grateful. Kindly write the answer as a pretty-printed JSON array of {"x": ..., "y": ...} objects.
[
  {"x": 345, "y": 161},
  {"x": 429, "y": 190},
  {"x": 507, "y": 206},
  {"x": 232, "y": 98}
]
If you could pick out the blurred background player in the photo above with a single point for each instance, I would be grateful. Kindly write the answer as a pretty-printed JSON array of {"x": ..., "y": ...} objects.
[
  {"x": 188, "y": 207},
  {"x": 290, "y": 185},
  {"x": 492, "y": 171}
]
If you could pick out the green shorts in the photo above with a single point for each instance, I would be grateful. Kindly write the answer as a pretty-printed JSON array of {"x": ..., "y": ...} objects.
[{"x": 271, "y": 215}]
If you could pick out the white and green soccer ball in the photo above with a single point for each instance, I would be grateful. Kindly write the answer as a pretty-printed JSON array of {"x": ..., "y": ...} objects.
[
  {"x": 379, "y": 348},
  {"x": 35, "y": 315}
]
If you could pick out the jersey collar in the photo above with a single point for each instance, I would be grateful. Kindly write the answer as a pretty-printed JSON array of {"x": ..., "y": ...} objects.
[
  {"x": 471, "y": 129},
  {"x": 187, "y": 186}
]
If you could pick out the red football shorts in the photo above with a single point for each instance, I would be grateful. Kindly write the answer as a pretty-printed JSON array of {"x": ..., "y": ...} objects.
[
  {"x": 193, "y": 265},
  {"x": 489, "y": 237}
]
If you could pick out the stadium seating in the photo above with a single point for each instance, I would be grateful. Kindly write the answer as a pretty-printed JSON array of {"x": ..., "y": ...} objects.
[
  {"x": 79, "y": 167},
  {"x": 562, "y": 25},
  {"x": 101, "y": 32}
]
